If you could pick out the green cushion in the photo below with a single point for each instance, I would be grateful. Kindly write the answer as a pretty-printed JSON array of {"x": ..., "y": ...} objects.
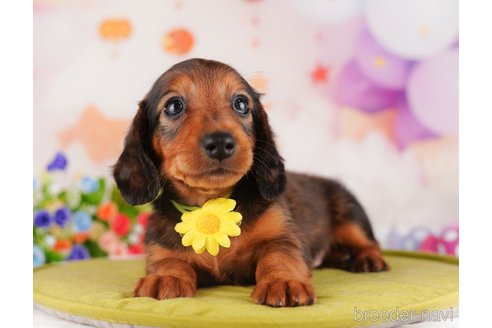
[{"x": 101, "y": 289}]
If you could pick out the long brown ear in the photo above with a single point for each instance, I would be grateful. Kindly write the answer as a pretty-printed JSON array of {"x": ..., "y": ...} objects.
[
  {"x": 134, "y": 172},
  {"x": 268, "y": 166}
]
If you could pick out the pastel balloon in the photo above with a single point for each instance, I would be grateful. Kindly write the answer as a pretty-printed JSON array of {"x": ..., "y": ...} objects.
[
  {"x": 385, "y": 69},
  {"x": 345, "y": 36},
  {"x": 328, "y": 11},
  {"x": 413, "y": 29},
  {"x": 394, "y": 239},
  {"x": 419, "y": 234},
  {"x": 407, "y": 128},
  {"x": 410, "y": 244},
  {"x": 430, "y": 244},
  {"x": 450, "y": 238},
  {"x": 353, "y": 88},
  {"x": 432, "y": 93}
]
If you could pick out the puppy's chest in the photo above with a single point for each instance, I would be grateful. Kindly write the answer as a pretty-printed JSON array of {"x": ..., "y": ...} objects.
[
  {"x": 238, "y": 262},
  {"x": 233, "y": 264}
]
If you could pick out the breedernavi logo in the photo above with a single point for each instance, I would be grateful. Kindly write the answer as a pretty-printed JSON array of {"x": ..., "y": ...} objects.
[{"x": 403, "y": 315}]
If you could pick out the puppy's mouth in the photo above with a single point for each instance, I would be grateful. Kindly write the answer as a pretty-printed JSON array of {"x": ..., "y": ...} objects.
[
  {"x": 218, "y": 171},
  {"x": 204, "y": 173},
  {"x": 217, "y": 175},
  {"x": 215, "y": 172},
  {"x": 208, "y": 181}
]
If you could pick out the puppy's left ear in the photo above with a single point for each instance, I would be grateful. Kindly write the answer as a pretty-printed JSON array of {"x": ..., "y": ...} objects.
[
  {"x": 135, "y": 172},
  {"x": 268, "y": 166}
]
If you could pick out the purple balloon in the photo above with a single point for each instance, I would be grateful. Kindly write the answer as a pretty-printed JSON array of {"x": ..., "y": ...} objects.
[
  {"x": 407, "y": 128},
  {"x": 383, "y": 68},
  {"x": 432, "y": 92},
  {"x": 354, "y": 89}
]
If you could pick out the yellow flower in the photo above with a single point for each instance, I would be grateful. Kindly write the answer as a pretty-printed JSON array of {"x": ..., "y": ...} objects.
[{"x": 209, "y": 226}]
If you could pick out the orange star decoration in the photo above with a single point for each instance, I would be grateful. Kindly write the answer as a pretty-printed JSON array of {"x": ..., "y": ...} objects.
[
  {"x": 355, "y": 124},
  {"x": 320, "y": 74},
  {"x": 115, "y": 29},
  {"x": 101, "y": 136}
]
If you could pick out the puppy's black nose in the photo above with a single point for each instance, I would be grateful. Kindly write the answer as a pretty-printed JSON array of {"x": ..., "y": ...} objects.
[{"x": 218, "y": 145}]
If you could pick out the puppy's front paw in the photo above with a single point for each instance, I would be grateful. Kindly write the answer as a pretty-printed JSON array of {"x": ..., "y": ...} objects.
[
  {"x": 163, "y": 287},
  {"x": 369, "y": 262},
  {"x": 280, "y": 293}
]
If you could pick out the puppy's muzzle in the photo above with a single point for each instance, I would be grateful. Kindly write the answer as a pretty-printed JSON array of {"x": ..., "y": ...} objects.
[{"x": 218, "y": 145}]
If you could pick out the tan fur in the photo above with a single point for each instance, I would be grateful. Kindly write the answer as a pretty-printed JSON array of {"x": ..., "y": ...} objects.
[{"x": 184, "y": 161}]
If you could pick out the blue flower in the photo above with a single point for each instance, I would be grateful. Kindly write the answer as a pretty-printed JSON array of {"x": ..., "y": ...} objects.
[
  {"x": 62, "y": 215},
  {"x": 38, "y": 258},
  {"x": 59, "y": 162},
  {"x": 42, "y": 219},
  {"x": 78, "y": 252},
  {"x": 82, "y": 221},
  {"x": 88, "y": 185}
]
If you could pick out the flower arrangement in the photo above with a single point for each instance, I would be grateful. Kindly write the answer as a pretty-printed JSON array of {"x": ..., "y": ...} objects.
[{"x": 82, "y": 218}]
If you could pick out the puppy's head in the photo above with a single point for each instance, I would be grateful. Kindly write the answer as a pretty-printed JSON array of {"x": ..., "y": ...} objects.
[{"x": 201, "y": 126}]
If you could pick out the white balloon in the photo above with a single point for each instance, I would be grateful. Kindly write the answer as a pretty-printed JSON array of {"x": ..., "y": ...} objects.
[
  {"x": 413, "y": 29},
  {"x": 328, "y": 11},
  {"x": 433, "y": 92}
]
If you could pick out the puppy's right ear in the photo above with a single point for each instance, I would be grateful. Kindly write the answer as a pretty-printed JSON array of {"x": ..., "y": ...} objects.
[{"x": 134, "y": 172}]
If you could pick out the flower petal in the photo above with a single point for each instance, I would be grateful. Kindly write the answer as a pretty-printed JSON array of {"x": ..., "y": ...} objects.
[
  {"x": 187, "y": 216},
  {"x": 223, "y": 239},
  {"x": 183, "y": 227},
  {"x": 230, "y": 229},
  {"x": 212, "y": 245},
  {"x": 232, "y": 217},
  {"x": 220, "y": 205},
  {"x": 201, "y": 250},
  {"x": 188, "y": 238},
  {"x": 199, "y": 243}
]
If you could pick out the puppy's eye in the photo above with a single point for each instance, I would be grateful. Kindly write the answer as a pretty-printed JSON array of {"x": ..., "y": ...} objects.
[
  {"x": 240, "y": 104},
  {"x": 174, "y": 107}
]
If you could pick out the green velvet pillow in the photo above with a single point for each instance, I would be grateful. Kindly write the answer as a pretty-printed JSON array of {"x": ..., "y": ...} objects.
[{"x": 100, "y": 291}]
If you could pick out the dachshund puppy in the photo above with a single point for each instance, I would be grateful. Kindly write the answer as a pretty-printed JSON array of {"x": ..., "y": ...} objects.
[{"x": 201, "y": 133}]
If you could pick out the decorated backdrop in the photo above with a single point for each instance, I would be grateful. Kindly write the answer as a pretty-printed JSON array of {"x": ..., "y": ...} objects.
[{"x": 362, "y": 91}]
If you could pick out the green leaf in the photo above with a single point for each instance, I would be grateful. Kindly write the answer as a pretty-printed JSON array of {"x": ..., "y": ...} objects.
[
  {"x": 125, "y": 208},
  {"x": 96, "y": 197},
  {"x": 94, "y": 249},
  {"x": 144, "y": 208},
  {"x": 116, "y": 197},
  {"x": 52, "y": 256},
  {"x": 38, "y": 236}
]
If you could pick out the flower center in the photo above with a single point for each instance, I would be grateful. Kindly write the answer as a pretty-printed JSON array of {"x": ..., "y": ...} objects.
[{"x": 208, "y": 224}]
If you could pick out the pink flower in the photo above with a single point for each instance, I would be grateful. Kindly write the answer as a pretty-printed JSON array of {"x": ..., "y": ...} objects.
[
  {"x": 118, "y": 249},
  {"x": 108, "y": 240}
]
